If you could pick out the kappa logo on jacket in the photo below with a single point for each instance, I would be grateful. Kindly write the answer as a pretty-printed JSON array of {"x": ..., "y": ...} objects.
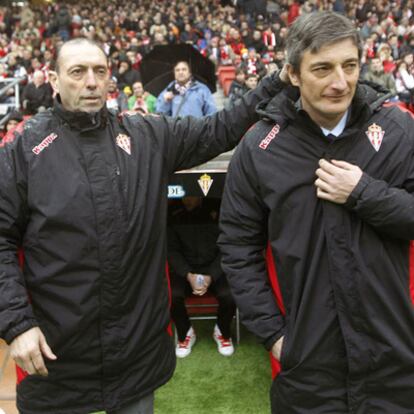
[
  {"x": 44, "y": 144},
  {"x": 124, "y": 141},
  {"x": 269, "y": 137},
  {"x": 375, "y": 135}
]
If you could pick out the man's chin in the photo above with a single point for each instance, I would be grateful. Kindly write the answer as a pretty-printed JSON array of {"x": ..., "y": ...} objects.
[
  {"x": 90, "y": 109},
  {"x": 337, "y": 107}
]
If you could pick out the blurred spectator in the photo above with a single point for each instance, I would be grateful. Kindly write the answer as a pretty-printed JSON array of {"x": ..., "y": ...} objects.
[
  {"x": 234, "y": 41},
  {"x": 62, "y": 22},
  {"x": 47, "y": 60},
  {"x": 404, "y": 81},
  {"x": 281, "y": 37},
  {"x": 256, "y": 42},
  {"x": 410, "y": 43},
  {"x": 252, "y": 7},
  {"x": 339, "y": 6},
  {"x": 369, "y": 26},
  {"x": 226, "y": 54},
  {"x": 213, "y": 50},
  {"x": 26, "y": 59},
  {"x": 393, "y": 43},
  {"x": 26, "y": 16},
  {"x": 253, "y": 64},
  {"x": 279, "y": 58},
  {"x": 189, "y": 35},
  {"x": 251, "y": 81},
  {"x": 238, "y": 87},
  {"x": 269, "y": 39},
  {"x": 116, "y": 99},
  {"x": 125, "y": 75},
  {"x": 13, "y": 120},
  {"x": 185, "y": 96},
  {"x": 37, "y": 95},
  {"x": 158, "y": 27},
  {"x": 14, "y": 68},
  {"x": 408, "y": 58},
  {"x": 362, "y": 10},
  {"x": 245, "y": 32},
  {"x": 294, "y": 11},
  {"x": 384, "y": 53},
  {"x": 376, "y": 74},
  {"x": 141, "y": 100},
  {"x": 8, "y": 96}
]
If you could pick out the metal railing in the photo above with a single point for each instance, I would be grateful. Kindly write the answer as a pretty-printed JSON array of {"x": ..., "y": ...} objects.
[{"x": 6, "y": 108}]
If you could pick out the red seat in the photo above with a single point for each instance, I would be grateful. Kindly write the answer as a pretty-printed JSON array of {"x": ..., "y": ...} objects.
[
  {"x": 226, "y": 86},
  {"x": 197, "y": 305},
  {"x": 226, "y": 69},
  {"x": 224, "y": 73},
  {"x": 205, "y": 308}
]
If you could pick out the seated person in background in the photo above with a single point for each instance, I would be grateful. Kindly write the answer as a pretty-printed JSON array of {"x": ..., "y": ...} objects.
[
  {"x": 194, "y": 263},
  {"x": 125, "y": 74},
  {"x": 252, "y": 63},
  {"x": 141, "y": 100},
  {"x": 116, "y": 99},
  {"x": 238, "y": 87},
  {"x": 13, "y": 120},
  {"x": 405, "y": 80},
  {"x": 376, "y": 74},
  {"x": 251, "y": 81},
  {"x": 37, "y": 95}
]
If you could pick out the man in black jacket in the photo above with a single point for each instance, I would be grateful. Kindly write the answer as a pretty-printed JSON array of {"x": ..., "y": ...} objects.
[
  {"x": 84, "y": 193},
  {"x": 324, "y": 183},
  {"x": 37, "y": 95},
  {"x": 194, "y": 263}
]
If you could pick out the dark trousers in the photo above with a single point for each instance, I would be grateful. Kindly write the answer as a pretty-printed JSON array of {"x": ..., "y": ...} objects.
[{"x": 180, "y": 289}]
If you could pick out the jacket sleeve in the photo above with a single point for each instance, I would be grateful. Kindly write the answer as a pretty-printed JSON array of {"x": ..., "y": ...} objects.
[
  {"x": 163, "y": 107},
  {"x": 388, "y": 209},
  {"x": 192, "y": 141},
  {"x": 215, "y": 270},
  {"x": 243, "y": 239},
  {"x": 16, "y": 314},
  {"x": 209, "y": 106}
]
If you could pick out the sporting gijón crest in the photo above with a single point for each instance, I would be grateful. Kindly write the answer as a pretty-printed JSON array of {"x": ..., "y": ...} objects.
[{"x": 375, "y": 135}]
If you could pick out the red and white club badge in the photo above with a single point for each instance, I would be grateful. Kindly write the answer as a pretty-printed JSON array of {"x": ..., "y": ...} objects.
[
  {"x": 375, "y": 135},
  {"x": 124, "y": 141}
]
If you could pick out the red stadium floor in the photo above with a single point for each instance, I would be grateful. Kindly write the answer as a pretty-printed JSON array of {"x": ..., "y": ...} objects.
[{"x": 7, "y": 381}]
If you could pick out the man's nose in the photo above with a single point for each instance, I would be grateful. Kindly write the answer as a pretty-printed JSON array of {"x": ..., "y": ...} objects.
[
  {"x": 90, "y": 79},
  {"x": 339, "y": 79}
]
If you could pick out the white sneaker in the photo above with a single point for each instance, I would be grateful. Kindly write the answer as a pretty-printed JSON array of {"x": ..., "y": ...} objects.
[
  {"x": 183, "y": 348},
  {"x": 224, "y": 346}
]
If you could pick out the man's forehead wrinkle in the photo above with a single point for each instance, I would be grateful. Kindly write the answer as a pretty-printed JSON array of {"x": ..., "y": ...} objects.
[{"x": 70, "y": 57}]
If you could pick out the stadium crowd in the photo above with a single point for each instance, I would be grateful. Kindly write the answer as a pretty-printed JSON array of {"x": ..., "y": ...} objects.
[{"x": 249, "y": 35}]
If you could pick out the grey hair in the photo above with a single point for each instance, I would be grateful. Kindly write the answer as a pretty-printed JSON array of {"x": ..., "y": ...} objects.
[
  {"x": 77, "y": 42},
  {"x": 310, "y": 32}
]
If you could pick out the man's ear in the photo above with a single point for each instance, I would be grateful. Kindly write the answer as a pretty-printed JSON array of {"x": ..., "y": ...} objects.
[
  {"x": 53, "y": 79},
  {"x": 293, "y": 76}
]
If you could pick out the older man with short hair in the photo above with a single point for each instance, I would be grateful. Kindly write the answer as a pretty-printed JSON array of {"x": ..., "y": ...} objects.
[{"x": 84, "y": 193}]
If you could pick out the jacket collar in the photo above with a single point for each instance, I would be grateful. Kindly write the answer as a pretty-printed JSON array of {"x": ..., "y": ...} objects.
[
  {"x": 283, "y": 107},
  {"x": 82, "y": 121}
]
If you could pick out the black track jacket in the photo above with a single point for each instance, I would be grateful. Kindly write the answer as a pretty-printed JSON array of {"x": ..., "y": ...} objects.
[
  {"x": 344, "y": 271},
  {"x": 86, "y": 197}
]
